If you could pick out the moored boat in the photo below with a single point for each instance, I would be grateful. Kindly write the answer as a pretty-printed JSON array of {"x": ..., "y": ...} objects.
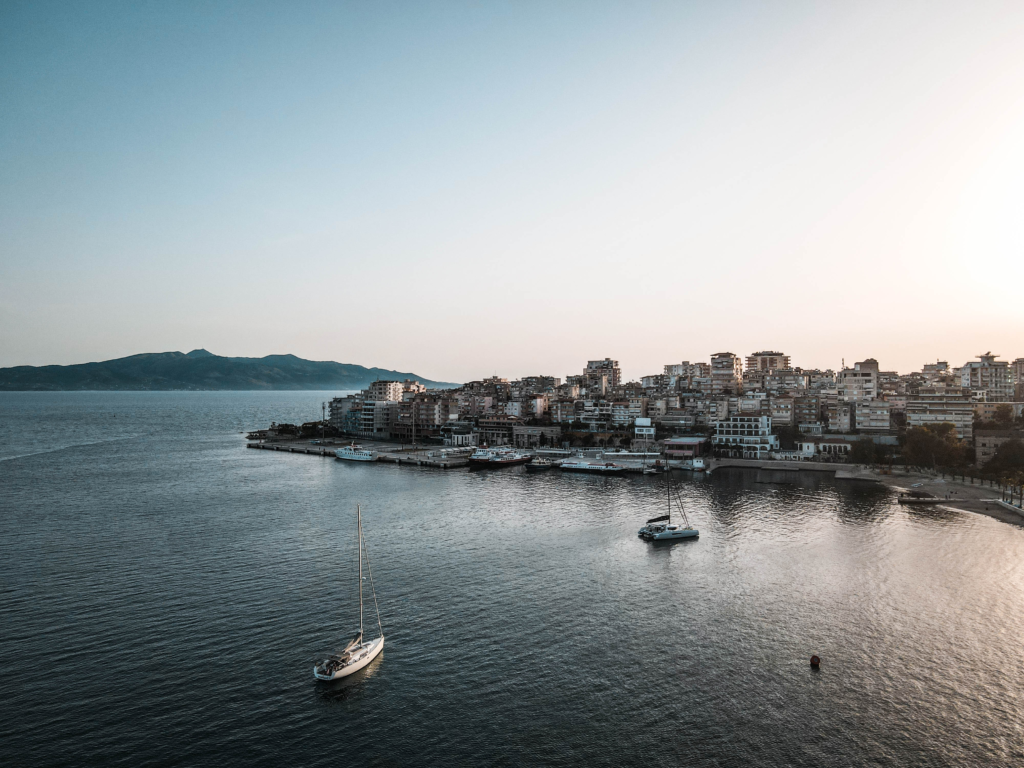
[
  {"x": 358, "y": 652},
  {"x": 662, "y": 528},
  {"x": 498, "y": 457},
  {"x": 598, "y": 467},
  {"x": 539, "y": 465},
  {"x": 355, "y": 453}
]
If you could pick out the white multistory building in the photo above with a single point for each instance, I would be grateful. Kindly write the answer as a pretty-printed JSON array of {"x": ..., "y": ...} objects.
[
  {"x": 386, "y": 391},
  {"x": 749, "y": 437},
  {"x": 988, "y": 379}
]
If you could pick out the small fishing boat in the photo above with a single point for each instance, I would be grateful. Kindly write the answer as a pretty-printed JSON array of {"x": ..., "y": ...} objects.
[
  {"x": 919, "y": 497},
  {"x": 358, "y": 652},
  {"x": 540, "y": 465}
]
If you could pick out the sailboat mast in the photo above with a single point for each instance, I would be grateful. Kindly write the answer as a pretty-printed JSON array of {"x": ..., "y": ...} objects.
[
  {"x": 359, "y": 548},
  {"x": 668, "y": 487}
]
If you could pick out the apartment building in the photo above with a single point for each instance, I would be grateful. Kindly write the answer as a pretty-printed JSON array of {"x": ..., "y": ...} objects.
[
  {"x": 858, "y": 384},
  {"x": 988, "y": 379},
  {"x": 385, "y": 391},
  {"x": 657, "y": 383},
  {"x": 1017, "y": 373},
  {"x": 987, "y": 411},
  {"x": 375, "y": 418},
  {"x": 786, "y": 380},
  {"x": 497, "y": 430},
  {"x": 873, "y": 416},
  {"x": 842, "y": 419},
  {"x": 782, "y": 410},
  {"x": 987, "y": 442},
  {"x": 748, "y": 437},
  {"x": 753, "y": 381},
  {"x": 535, "y": 437},
  {"x": 929, "y": 407},
  {"x": 806, "y": 410},
  {"x": 339, "y": 409},
  {"x": 602, "y": 374},
  {"x": 561, "y": 411},
  {"x": 726, "y": 374},
  {"x": 767, "y": 361}
]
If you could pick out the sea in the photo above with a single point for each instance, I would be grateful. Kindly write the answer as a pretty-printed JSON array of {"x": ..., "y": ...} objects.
[{"x": 164, "y": 593}]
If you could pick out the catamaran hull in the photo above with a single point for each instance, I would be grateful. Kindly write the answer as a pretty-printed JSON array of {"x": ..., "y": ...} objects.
[
  {"x": 372, "y": 653},
  {"x": 671, "y": 535}
]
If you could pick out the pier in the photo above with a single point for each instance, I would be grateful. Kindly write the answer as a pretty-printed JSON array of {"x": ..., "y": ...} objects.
[{"x": 414, "y": 456}]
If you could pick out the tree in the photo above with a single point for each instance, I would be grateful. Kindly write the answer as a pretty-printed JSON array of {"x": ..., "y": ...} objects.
[
  {"x": 788, "y": 437},
  {"x": 1003, "y": 416},
  {"x": 1007, "y": 461},
  {"x": 935, "y": 446},
  {"x": 864, "y": 451}
]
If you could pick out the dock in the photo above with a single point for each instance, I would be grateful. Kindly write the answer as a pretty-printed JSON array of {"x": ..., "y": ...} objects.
[{"x": 414, "y": 457}]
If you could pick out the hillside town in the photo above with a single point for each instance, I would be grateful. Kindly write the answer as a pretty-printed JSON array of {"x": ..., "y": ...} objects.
[{"x": 758, "y": 407}]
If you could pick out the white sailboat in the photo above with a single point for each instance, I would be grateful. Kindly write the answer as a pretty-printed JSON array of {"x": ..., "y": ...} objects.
[
  {"x": 662, "y": 528},
  {"x": 358, "y": 652}
]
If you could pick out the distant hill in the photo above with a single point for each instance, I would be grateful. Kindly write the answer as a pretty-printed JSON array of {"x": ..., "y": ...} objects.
[{"x": 200, "y": 370}]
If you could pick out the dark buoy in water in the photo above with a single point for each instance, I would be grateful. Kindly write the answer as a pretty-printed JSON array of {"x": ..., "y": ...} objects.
[{"x": 815, "y": 662}]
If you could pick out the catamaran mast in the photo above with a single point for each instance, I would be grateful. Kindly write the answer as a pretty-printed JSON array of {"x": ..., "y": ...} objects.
[
  {"x": 359, "y": 548},
  {"x": 668, "y": 487}
]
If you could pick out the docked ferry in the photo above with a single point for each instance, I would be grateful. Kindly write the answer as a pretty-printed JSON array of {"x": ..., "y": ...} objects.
[
  {"x": 355, "y": 453},
  {"x": 498, "y": 457}
]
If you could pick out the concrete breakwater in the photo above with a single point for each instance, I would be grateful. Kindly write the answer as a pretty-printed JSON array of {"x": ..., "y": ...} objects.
[{"x": 414, "y": 457}]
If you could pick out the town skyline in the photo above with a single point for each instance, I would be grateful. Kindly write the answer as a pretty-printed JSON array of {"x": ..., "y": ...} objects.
[{"x": 631, "y": 371}]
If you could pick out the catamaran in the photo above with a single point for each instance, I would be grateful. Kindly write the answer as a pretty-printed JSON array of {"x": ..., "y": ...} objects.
[
  {"x": 662, "y": 528},
  {"x": 358, "y": 652}
]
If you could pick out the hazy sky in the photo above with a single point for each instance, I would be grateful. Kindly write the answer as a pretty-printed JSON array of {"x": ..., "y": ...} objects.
[{"x": 463, "y": 189}]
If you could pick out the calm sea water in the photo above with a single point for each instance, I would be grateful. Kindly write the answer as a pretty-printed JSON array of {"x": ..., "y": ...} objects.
[{"x": 164, "y": 592}]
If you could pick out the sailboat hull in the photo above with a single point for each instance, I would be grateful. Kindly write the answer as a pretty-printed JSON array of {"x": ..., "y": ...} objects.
[
  {"x": 684, "y": 533},
  {"x": 371, "y": 651}
]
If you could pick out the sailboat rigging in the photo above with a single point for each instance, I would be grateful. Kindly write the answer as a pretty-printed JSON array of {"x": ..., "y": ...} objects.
[{"x": 358, "y": 652}]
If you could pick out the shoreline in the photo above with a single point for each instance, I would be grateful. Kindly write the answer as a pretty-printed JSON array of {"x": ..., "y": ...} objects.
[{"x": 975, "y": 498}]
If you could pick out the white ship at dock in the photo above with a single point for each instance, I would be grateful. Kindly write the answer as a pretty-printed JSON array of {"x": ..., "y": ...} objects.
[{"x": 355, "y": 453}]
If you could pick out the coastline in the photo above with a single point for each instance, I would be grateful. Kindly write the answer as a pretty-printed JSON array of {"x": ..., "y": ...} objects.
[{"x": 975, "y": 498}]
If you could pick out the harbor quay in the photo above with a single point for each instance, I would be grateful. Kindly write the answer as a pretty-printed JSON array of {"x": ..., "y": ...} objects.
[{"x": 422, "y": 456}]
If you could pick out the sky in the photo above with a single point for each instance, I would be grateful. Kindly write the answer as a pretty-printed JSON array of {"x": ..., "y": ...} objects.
[{"x": 512, "y": 188}]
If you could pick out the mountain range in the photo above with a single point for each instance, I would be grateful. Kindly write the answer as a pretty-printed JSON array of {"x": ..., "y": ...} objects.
[{"x": 200, "y": 370}]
